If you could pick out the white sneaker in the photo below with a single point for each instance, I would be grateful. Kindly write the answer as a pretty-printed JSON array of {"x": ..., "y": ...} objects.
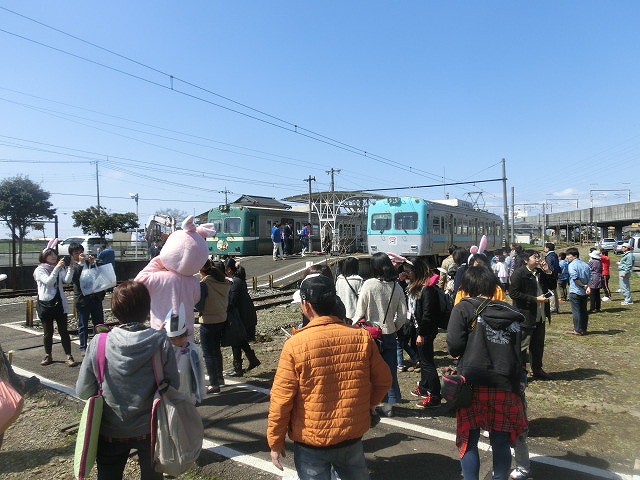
[
  {"x": 519, "y": 473},
  {"x": 606, "y": 299}
]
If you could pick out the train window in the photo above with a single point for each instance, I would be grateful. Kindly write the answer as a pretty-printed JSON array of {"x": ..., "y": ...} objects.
[
  {"x": 406, "y": 220},
  {"x": 465, "y": 227},
  {"x": 381, "y": 221},
  {"x": 435, "y": 229},
  {"x": 217, "y": 224},
  {"x": 232, "y": 225},
  {"x": 252, "y": 227}
]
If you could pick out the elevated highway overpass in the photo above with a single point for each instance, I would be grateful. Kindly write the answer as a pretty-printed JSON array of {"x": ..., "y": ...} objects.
[{"x": 615, "y": 216}]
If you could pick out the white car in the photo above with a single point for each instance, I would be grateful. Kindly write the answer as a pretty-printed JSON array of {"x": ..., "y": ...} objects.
[
  {"x": 90, "y": 244},
  {"x": 607, "y": 243}
]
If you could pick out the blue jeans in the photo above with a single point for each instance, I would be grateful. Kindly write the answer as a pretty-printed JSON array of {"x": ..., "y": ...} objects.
[
  {"x": 625, "y": 286},
  {"x": 112, "y": 458},
  {"x": 91, "y": 308},
  {"x": 315, "y": 463},
  {"x": 210, "y": 337},
  {"x": 579, "y": 312},
  {"x": 470, "y": 463},
  {"x": 407, "y": 343},
  {"x": 389, "y": 354}
]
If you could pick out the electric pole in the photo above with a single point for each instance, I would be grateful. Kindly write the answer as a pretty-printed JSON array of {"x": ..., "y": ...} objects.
[
  {"x": 309, "y": 180},
  {"x": 505, "y": 203},
  {"x": 331, "y": 172},
  {"x": 225, "y": 191}
]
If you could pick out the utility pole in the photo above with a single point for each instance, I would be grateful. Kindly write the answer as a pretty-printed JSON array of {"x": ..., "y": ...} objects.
[
  {"x": 513, "y": 213},
  {"x": 505, "y": 204},
  {"x": 97, "y": 186},
  {"x": 309, "y": 180},
  {"x": 225, "y": 191},
  {"x": 331, "y": 172}
]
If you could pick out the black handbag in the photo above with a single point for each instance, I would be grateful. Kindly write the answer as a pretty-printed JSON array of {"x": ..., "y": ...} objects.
[
  {"x": 234, "y": 332},
  {"x": 50, "y": 308}
]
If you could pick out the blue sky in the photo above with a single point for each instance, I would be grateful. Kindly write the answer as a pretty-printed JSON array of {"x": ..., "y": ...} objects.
[{"x": 264, "y": 91}]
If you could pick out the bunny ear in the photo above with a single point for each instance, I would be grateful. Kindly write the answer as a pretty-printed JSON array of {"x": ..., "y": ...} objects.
[
  {"x": 473, "y": 249},
  {"x": 188, "y": 225},
  {"x": 52, "y": 243},
  {"x": 206, "y": 230},
  {"x": 483, "y": 244}
]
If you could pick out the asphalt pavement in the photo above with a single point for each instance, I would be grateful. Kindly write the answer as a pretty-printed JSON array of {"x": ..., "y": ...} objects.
[{"x": 405, "y": 446}]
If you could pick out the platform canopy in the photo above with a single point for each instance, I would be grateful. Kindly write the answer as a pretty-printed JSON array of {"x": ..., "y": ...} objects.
[{"x": 328, "y": 205}]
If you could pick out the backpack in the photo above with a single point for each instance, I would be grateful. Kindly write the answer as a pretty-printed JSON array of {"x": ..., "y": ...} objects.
[
  {"x": 176, "y": 427},
  {"x": 445, "y": 302}
]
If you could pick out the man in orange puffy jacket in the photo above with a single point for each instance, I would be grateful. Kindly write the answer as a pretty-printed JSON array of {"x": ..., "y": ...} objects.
[{"x": 329, "y": 378}]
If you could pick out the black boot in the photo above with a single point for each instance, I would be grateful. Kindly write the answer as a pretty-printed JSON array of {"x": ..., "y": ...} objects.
[
  {"x": 237, "y": 369},
  {"x": 253, "y": 360}
]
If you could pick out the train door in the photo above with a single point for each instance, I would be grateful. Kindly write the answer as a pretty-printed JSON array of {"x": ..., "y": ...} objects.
[
  {"x": 253, "y": 234},
  {"x": 450, "y": 226}
]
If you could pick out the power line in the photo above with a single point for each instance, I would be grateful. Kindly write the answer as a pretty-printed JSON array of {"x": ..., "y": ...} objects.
[{"x": 286, "y": 125}]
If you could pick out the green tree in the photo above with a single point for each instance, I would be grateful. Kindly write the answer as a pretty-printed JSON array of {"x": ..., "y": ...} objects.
[
  {"x": 96, "y": 220},
  {"x": 23, "y": 203}
]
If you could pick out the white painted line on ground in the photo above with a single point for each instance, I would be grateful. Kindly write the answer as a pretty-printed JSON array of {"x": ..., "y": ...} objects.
[
  {"x": 47, "y": 382},
  {"x": 19, "y": 326},
  {"x": 551, "y": 461},
  {"x": 554, "y": 462},
  {"x": 245, "y": 459}
]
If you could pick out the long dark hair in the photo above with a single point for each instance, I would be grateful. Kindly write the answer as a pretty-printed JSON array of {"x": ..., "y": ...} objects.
[
  {"x": 422, "y": 273},
  {"x": 382, "y": 267}
]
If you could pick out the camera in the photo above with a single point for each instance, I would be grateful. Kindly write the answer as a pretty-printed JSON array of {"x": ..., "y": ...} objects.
[
  {"x": 67, "y": 260},
  {"x": 549, "y": 294}
]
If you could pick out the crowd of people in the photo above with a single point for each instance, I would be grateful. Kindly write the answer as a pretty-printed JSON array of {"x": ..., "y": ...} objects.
[{"x": 333, "y": 380}]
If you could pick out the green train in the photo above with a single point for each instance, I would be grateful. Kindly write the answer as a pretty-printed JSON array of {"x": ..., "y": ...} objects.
[{"x": 246, "y": 230}]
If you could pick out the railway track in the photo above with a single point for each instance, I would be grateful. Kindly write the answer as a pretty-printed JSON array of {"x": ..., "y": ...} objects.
[{"x": 268, "y": 301}]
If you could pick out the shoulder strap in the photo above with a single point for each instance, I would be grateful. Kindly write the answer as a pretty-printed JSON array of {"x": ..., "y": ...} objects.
[
  {"x": 101, "y": 357},
  {"x": 479, "y": 309},
  {"x": 158, "y": 370},
  {"x": 353, "y": 289},
  {"x": 389, "y": 304}
]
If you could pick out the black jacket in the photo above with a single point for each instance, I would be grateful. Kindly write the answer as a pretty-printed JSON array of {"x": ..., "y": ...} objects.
[
  {"x": 490, "y": 349},
  {"x": 427, "y": 307},
  {"x": 240, "y": 299},
  {"x": 523, "y": 290}
]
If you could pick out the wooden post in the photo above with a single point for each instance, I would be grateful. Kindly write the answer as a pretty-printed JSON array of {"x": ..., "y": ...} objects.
[
  {"x": 29, "y": 313},
  {"x": 10, "y": 356},
  {"x": 255, "y": 284},
  {"x": 270, "y": 281}
]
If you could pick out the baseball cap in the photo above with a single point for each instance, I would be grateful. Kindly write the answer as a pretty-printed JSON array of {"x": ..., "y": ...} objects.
[{"x": 317, "y": 288}]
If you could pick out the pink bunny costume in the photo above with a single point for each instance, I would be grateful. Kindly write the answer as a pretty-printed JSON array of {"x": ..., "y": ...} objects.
[{"x": 170, "y": 276}]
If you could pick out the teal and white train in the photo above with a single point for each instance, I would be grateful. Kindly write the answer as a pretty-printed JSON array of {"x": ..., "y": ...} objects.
[{"x": 411, "y": 226}]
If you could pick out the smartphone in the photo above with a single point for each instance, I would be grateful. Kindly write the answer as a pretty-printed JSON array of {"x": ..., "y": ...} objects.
[
  {"x": 67, "y": 260},
  {"x": 549, "y": 294}
]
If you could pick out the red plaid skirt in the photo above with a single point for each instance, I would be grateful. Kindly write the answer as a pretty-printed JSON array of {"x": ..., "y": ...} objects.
[{"x": 491, "y": 409}]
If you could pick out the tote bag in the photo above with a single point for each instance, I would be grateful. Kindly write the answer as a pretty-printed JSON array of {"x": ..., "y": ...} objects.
[
  {"x": 97, "y": 279},
  {"x": 176, "y": 427},
  {"x": 11, "y": 403},
  {"x": 89, "y": 429}
]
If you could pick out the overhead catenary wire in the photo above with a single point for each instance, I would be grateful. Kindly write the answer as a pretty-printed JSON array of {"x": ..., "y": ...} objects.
[{"x": 284, "y": 124}]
